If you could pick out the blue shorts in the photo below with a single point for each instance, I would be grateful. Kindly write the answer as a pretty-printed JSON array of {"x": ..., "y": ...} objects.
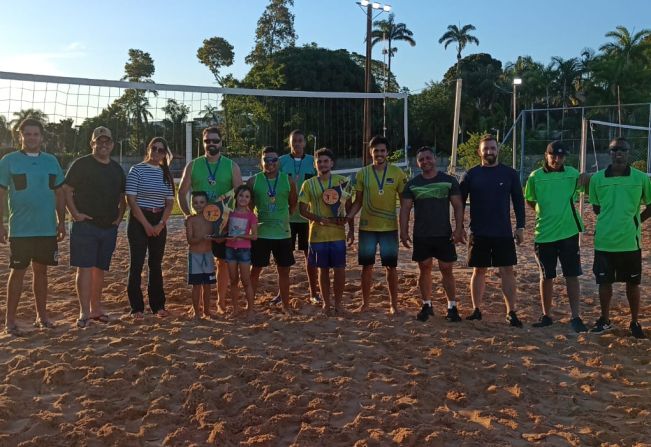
[
  {"x": 92, "y": 246},
  {"x": 327, "y": 254},
  {"x": 239, "y": 255},
  {"x": 368, "y": 242}
]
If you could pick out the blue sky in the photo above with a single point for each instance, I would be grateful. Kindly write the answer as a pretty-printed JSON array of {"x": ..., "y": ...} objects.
[{"x": 91, "y": 38}]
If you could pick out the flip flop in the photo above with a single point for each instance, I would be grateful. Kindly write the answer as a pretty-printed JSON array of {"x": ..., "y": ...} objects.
[
  {"x": 43, "y": 324},
  {"x": 82, "y": 322},
  {"x": 103, "y": 318}
]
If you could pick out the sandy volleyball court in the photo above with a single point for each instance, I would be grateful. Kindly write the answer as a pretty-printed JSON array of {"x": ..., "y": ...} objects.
[{"x": 306, "y": 380}]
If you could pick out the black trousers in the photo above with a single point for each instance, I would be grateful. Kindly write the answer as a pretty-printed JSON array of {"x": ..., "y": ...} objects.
[{"x": 139, "y": 245}]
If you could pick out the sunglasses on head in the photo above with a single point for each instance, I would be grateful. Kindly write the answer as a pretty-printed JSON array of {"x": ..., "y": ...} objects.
[
  {"x": 159, "y": 149},
  {"x": 270, "y": 159},
  {"x": 212, "y": 141}
]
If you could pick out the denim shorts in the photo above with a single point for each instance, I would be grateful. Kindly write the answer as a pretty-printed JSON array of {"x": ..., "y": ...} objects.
[
  {"x": 92, "y": 246},
  {"x": 368, "y": 243},
  {"x": 239, "y": 255}
]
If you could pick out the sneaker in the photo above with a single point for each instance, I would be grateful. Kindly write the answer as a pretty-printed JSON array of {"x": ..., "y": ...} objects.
[
  {"x": 316, "y": 300},
  {"x": 636, "y": 330},
  {"x": 475, "y": 315},
  {"x": 453, "y": 315},
  {"x": 513, "y": 319},
  {"x": 276, "y": 300},
  {"x": 602, "y": 325},
  {"x": 544, "y": 321},
  {"x": 425, "y": 312},
  {"x": 577, "y": 325}
]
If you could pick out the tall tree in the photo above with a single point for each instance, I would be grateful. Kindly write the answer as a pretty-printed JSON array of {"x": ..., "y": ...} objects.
[
  {"x": 139, "y": 67},
  {"x": 175, "y": 115},
  {"x": 459, "y": 36},
  {"x": 389, "y": 31},
  {"x": 216, "y": 53},
  {"x": 274, "y": 32}
]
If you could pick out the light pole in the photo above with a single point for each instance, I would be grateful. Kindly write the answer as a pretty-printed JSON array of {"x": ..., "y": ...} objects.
[
  {"x": 369, "y": 7},
  {"x": 516, "y": 82}
]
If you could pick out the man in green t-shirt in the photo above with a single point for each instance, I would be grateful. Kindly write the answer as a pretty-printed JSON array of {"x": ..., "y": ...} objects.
[
  {"x": 616, "y": 194},
  {"x": 31, "y": 180},
  {"x": 377, "y": 190},
  {"x": 551, "y": 191},
  {"x": 215, "y": 174},
  {"x": 300, "y": 167},
  {"x": 320, "y": 197},
  {"x": 274, "y": 197}
]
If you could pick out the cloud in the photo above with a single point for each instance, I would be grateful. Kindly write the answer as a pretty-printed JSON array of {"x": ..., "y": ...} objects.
[{"x": 46, "y": 63}]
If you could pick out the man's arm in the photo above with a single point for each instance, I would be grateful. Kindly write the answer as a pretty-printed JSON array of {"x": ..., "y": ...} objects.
[
  {"x": 459, "y": 234},
  {"x": 237, "y": 175},
  {"x": 517, "y": 197},
  {"x": 60, "y": 197},
  {"x": 69, "y": 193},
  {"x": 405, "y": 210},
  {"x": 184, "y": 189},
  {"x": 122, "y": 207},
  {"x": 293, "y": 197},
  {"x": 3, "y": 230}
]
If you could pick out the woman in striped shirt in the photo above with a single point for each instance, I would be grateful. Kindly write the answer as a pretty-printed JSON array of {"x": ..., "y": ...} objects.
[{"x": 150, "y": 194}]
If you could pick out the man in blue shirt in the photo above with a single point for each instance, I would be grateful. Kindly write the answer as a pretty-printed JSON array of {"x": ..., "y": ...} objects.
[
  {"x": 32, "y": 181},
  {"x": 492, "y": 187},
  {"x": 300, "y": 167}
]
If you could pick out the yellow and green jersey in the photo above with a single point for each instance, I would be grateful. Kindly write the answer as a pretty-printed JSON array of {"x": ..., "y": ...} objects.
[
  {"x": 381, "y": 191},
  {"x": 312, "y": 195}
]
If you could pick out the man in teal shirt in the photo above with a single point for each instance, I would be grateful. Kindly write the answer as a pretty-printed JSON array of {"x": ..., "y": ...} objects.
[
  {"x": 616, "y": 194},
  {"x": 299, "y": 166},
  {"x": 551, "y": 191},
  {"x": 32, "y": 181}
]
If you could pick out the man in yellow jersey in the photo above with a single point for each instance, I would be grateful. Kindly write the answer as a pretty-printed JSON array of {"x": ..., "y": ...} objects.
[
  {"x": 215, "y": 174},
  {"x": 319, "y": 203},
  {"x": 378, "y": 187},
  {"x": 274, "y": 197}
]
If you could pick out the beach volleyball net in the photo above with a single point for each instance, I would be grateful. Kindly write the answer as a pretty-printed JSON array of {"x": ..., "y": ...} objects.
[
  {"x": 599, "y": 135},
  {"x": 249, "y": 119}
]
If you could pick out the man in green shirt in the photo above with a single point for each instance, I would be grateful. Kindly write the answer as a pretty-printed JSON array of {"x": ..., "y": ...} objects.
[
  {"x": 274, "y": 197},
  {"x": 616, "y": 194},
  {"x": 551, "y": 191},
  {"x": 215, "y": 174},
  {"x": 300, "y": 167}
]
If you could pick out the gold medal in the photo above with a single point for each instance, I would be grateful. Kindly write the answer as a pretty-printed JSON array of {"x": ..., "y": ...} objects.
[
  {"x": 272, "y": 199},
  {"x": 212, "y": 213},
  {"x": 330, "y": 196}
]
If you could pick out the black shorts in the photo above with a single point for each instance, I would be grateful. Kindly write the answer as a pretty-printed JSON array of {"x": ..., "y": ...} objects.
[
  {"x": 491, "y": 251},
  {"x": 261, "y": 250},
  {"x": 24, "y": 250},
  {"x": 566, "y": 251},
  {"x": 441, "y": 248},
  {"x": 219, "y": 250},
  {"x": 621, "y": 266},
  {"x": 300, "y": 231}
]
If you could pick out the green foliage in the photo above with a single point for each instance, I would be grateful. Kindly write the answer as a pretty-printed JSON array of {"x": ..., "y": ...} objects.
[
  {"x": 274, "y": 32},
  {"x": 459, "y": 36},
  {"x": 139, "y": 67},
  {"x": 389, "y": 31},
  {"x": 468, "y": 155},
  {"x": 639, "y": 164},
  {"x": 216, "y": 53},
  {"x": 396, "y": 156}
]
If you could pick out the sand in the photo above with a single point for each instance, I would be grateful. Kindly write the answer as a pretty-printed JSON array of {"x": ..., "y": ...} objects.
[{"x": 306, "y": 380}]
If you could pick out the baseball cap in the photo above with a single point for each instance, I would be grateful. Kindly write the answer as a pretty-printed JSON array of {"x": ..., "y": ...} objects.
[
  {"x": 101, "y": 131},
  {"x": 557, "y": 148}
]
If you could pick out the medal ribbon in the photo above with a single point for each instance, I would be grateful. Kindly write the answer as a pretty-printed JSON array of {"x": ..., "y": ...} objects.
[
  {"x": 329, "y": 184},
  {"x": 380, "y": 185},
  {"x": 271, "y": 192},
  {"x": 212, "y": 174}
]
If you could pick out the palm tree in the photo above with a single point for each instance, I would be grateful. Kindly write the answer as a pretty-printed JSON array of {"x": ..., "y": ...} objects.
[
  {"x": 625, "y": 45},
  {"x": 459, "y": 36},
  {"x": 28, "y": 113},
  {"x": 390, "y": 31}
]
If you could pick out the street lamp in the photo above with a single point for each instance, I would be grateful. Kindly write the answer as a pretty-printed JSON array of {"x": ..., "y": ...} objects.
[
  {"x": 516, "y": 82},
  {"x": 369, "y": 7}
]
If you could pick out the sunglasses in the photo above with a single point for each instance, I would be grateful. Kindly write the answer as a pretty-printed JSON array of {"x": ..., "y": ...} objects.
[
  {"x": 211, "y": 141},
  {"x": 619, "y": 149},
  {"x": 270, "y": 159},
  {"x": 160, "y": 150}
]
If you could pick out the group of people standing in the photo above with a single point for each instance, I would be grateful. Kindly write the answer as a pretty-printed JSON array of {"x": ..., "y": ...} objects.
[{"x": 297, "y": 203}]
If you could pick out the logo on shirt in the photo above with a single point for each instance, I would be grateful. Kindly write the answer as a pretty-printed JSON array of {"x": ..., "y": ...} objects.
[{"x": 390, "y": 181}]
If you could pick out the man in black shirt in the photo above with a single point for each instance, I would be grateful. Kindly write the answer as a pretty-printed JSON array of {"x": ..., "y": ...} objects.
[
  {"x": 94, "y": 189},
  {"x": 431, "y": 194},
  {"x": 492, "y": 187}
]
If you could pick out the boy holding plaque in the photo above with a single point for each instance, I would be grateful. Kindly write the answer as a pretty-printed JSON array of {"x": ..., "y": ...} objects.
[{"x": 320, "y": 202}]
